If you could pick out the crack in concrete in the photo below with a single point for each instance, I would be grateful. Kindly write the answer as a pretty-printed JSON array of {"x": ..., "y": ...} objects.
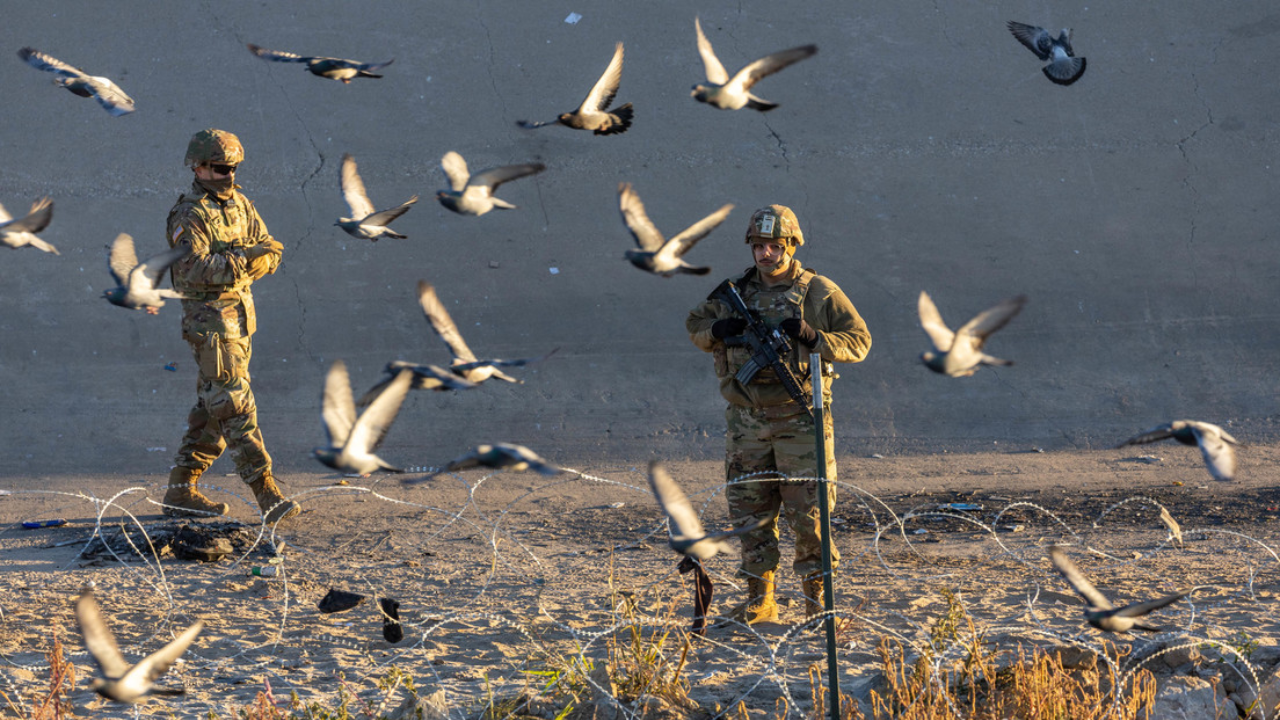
[
  {"x": 297, "y": 289},
  {"x": 782, "y": 145},
  {"x": 492, "y": 82},
  {"x": 1187, "y": 182},
  {"x": 546, "y": 221},
  {"x": 937, "y": 9}
]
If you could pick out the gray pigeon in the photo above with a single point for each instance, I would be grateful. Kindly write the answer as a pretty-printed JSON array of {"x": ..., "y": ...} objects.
[
  {"x": 1064, "y": 67},
  {"x": 108, "y": 94},
  {"x": 325, "y": 67},
  {"x": 365, "y": 223},
  {"x": 959, "y": 354},
  {"x": 504, "y": 456},
  {"x": 120, "y": 681},
  {"x": 465, "y": 364},
  {"x": 22, "y": 233},
  {"x": 425, "y": 377},
  {"x": 136, "y": 283},
  {"x": 473, "y": 194},
  {"x": 352, "y": 440},
  {"x": 654, "y": 253},
  {"x": 594, "y": 114},
  {"x": 735, "y": 93},
  {"x": 684, "y": 530},
  {"x": 1100, "y": 612},
  {"x": 1215, "y": 444}
]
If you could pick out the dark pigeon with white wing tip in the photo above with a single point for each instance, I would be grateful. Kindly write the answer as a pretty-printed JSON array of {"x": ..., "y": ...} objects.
[
  {"x": 120, "y": 681},
  {"x": 594, "y": 113},
  {"x": 1100, "y": 613},
  {"x": 22, "y": 232},
  {"x": 473, "y": 194},
  {"x": 1215, "y": 443},
  {"x": 654, "y": 253},
  {"x": 366, "y": 223},
  {"x": 326, "y": 67},
  {"x": 684, "y": 529},
  {"x": 959, "y": 353},
  {"x": 734, "y": 93},
  {"x": 1064, "y": 67},
  {"x": 137, "y": 284},
  {"x": 353, "y": 439},
  {"x": 108, "y": 94}
]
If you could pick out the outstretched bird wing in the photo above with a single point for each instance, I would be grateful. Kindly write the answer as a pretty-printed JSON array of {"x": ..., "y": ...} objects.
[
  {"x": 36, "y": 220},
  {"x": 714, "y": 69},
  {"x": 1078, "y": 581},
  {"x": 1218, "y": 455},
  {"x": 42, "y": 61},
  {"x": 98, "y": 639},
  {"x": 606, "y": 88},
  {"x": 493, "y": 177},
  {"x": 645, "y": 233},
  {"x": 992, "y": 319},
  {"x": 353, "y": 189},
  {"x": 1036, "y": 39},
  {"x": 1155, "y": 434},
  {"x": 1142, "y": 608},
  {"x": 695, "y": 232},
  {"x": 931, "y": 321},
  {"x": 153, "y": 267},
  {"x": 277, "y": 55},
  {"x": 684, "y": 522},
  {"x": 440, "y": 321},
  {"x": 146, "y": 672},
  {"x": 372, "y": 426},
  {"x": 337, "y": 409},
  {"x": 455, "y": 168},
  {"x": 768, "y": 65},
  {"x": 122, "y": 259}
]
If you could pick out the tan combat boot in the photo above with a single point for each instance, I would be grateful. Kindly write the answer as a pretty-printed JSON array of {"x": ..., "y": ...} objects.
[
  {"x": 760, "y": 605},
  {"x": 182, "y": 499},
  {"x": 271, "y": 501},
  {"x": 813, "y": 602}
]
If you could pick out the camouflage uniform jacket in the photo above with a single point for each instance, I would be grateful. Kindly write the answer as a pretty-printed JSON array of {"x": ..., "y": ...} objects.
[
  {"x": 842, "y": 335},
  {"x": 216, "y": 275}
]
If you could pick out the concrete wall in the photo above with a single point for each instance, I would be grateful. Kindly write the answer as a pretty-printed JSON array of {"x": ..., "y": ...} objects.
[{"x": 921, "y": 148}]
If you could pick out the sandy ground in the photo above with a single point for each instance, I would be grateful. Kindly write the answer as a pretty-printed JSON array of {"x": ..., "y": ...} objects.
[{"x": 500, "y": 575}]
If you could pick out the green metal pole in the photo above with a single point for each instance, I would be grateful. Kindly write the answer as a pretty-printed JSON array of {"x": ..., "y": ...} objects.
[{"x": 824, "y": 520}]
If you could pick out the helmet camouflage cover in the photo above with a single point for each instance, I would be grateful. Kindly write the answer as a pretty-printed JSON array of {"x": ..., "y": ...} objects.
[
  {"x": 774, "y": 222},
  {"x": 214, "y": 146}
]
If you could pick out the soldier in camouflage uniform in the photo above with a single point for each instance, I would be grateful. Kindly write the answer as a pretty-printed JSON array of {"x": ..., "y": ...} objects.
[
  {"x": 230, "y": 248},
  {"x": 768, "y": 431}
]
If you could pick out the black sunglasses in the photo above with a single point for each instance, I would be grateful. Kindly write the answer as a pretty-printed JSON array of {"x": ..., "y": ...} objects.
[{"x": 223, "y": 169}]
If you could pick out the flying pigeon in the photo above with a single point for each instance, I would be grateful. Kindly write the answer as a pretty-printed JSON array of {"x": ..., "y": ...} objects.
[
  {"x": 425, "y": 377},
  {"x": 325, "y": 67},
  {"x": 366, "y": 223},
  {"x": 1215, "y": 444},
  {"x": 1100, "y": 612},
  {"x": 120, "y": 681},
  {"x": 22, "y": 233},
  {"x": 1064, "y": 67},
  {"x": 108, "y": 94},
  {"x": 735, "y": 93},
  {"x": 136, "y": 283},
  {"x": 504, "y": 456},
  {"x": 594, "y": 114},
  {"x": 473, "y": 194},
  {"x": 684, "y": 530},
  {"x": 654, "y": 253},
  {"x": 465, "y": 364},
  {"x": 352, "y": 440},
  {"x": 959, "y": 354}
]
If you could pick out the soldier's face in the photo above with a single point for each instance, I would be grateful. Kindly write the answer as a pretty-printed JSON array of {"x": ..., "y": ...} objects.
[
  {"x": 771, "y": 257},
  {"x": 214, "y": 172}
]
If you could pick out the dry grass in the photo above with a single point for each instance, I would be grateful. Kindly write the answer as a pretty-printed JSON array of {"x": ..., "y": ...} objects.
[{"x": 51, "y": 703}]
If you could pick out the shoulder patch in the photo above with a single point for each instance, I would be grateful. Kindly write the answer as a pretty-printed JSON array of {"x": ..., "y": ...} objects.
[{"x": 177, "y": 234}]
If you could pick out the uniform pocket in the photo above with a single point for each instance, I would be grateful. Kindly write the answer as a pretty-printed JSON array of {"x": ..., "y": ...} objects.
[
  {"x": 722, "y": 361},
  {"x": 212, "y": 358}
]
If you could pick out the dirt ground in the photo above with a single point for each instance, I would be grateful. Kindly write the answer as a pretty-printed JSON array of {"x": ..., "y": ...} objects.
[{"x": 500, "y": 577}]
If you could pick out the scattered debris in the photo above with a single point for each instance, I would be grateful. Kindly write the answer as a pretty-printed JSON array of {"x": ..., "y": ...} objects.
[
  {"x": 339, "y": 601},
  {"x": 573, "y": 18}
]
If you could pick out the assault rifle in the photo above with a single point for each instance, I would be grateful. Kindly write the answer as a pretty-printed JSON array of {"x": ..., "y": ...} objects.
[{"x": 769, "y": 347}]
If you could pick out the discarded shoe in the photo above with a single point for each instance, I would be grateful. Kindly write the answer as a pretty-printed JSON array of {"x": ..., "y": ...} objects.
[
  {"x": 339, "y": 601},
  {"x": 392, "y": 632}
]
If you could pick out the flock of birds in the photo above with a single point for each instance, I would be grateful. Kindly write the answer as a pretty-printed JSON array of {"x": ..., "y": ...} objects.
[{"x": 355, "y": 430}]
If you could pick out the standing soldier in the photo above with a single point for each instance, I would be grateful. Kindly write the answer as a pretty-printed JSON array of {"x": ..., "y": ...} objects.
[
  {"x": 230, "y": 248},
  {"x": 768, "y": 430}
]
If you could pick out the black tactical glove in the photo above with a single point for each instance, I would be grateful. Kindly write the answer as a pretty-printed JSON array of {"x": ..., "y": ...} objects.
[
  {"x": 728, "y": 327},
  {"x": 798, "y": 329}
]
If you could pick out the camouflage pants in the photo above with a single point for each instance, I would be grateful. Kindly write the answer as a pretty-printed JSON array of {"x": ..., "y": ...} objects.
[
  {"x": 225, "y": 414},
  {"x": 780, "y": 439}
]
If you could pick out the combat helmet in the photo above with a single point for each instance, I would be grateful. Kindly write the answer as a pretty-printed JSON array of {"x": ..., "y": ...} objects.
[
  {"x": 775, "y": 222},
  {"x": 214, "y": 146}
]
